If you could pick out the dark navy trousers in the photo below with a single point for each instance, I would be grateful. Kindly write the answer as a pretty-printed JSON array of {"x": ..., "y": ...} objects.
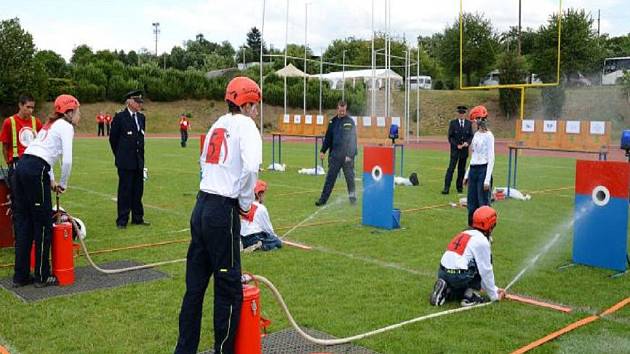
[
  {"x": 214, "y": 249},
  {"x": 130, "y": 190},
  {"x": 32, "y": 217},
  {"x": 334, "y": 165},
  {"x": 476, "y": 195}
]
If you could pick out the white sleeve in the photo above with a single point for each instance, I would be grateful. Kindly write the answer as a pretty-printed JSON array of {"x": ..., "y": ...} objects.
[
  {"x": 67, "y": 135},
  {"x": 481, "y": 252},
  {"x": 490, "y": 142},
  {"x": 262, "y": 220},
  {"x": 251, "y": 158}
]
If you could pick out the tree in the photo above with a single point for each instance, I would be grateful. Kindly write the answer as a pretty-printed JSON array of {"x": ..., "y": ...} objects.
[
  {"x": 54, "y": 64},
  {"x": 81, "y": 55},
  {"x": 616, "y": 46},
  {"x": 579, "y": 47},
  {"x": 479, "y": 48},
  {"x": 580, "y": 53},
  {"x": 254, "y": 39},
  {"x": 512, "y": 68},
  {"x": 19, "y": 72}
]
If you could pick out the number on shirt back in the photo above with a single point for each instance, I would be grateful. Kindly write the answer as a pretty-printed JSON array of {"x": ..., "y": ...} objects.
[
  {"x": 217, "y": 142},
  {"x": 458, "y": 243}
]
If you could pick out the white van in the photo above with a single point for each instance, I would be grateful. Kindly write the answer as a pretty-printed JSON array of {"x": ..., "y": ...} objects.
[
  {"x": 492, "y": 79},
  {"x": 423, "y": 82}
]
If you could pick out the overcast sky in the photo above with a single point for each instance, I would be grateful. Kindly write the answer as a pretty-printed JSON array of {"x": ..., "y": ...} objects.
[{"x": 121, "y": 24}]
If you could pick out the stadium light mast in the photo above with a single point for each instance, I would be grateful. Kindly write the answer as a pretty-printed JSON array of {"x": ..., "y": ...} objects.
[
  {"x": 286, "y": 46},
  {"x": 262, "y": 47},
  {"x": 156, "y": 32}
]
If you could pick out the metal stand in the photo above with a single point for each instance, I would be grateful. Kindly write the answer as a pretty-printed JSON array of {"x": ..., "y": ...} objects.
[
  {"x": 402, "y": 158},
  {"x": 273, "y": 149}
]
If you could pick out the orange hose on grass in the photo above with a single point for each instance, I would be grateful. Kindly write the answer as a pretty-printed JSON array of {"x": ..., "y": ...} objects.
[
  {"x": 571, "y": 327},
  {"x": 530, "y": 301},
  {"x": 3, "y": 350}
]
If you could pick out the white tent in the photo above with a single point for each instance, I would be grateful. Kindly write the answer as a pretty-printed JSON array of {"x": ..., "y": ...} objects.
[
  {"x": 290, "y": 71},
  {"x": 335, "y": 78}
]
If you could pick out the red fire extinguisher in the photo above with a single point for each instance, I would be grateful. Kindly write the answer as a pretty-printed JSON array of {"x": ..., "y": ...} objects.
[
  {"x": 62, "y": 257},
  {"x": 252, "y": 326}
]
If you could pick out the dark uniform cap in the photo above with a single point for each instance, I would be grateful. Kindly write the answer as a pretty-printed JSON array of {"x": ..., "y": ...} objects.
[
  {"x": 136, "y": 95},
  {"x": 462, "y": 109}
]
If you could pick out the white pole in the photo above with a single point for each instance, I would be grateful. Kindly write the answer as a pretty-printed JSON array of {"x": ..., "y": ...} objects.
[
  {"x": 286, "y": 46},
  {"x": 343, "y": 75},
  {"x": 373, "y": 64},
  {"x": 418, "y": 98},
  {"x": 386, "y": 61},
  {"x": 321, "y": 72},
  {"x": 305, "y": 42},
  {"x": 262, "y": 32},
  {"x": 405, "y": 97}
]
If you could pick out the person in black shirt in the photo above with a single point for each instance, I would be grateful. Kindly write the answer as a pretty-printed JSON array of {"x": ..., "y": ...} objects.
[
  {"x": 341, "y": 140},
  {"x": 460, "y": 136}
]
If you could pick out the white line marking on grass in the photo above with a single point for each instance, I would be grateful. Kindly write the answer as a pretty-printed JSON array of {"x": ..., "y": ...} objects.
[
  {"x": 113, "y": 199},
  {"x": 377, "y": 262}
]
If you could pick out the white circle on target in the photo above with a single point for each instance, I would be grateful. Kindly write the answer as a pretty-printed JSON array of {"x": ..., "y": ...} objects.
[
  {"x": 377, "y": 173},
  {"x": 601, "y": 196}
]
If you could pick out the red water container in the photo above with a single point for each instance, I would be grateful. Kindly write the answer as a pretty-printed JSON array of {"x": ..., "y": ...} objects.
[
  {"x": 250, "y": 326},
  {"x": 6, "y": 224},
  {"x": 62, "y": 258}
]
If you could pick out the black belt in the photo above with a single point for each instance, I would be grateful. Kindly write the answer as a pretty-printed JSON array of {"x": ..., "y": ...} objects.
[
  {"x": 215, "y": 197},
  {"x": 479, "y": 166},
  {"x": 453, "y": 271}
]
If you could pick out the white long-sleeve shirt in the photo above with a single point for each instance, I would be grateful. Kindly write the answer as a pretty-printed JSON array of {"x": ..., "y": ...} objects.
[
  {"x": 257, "y": 220},
  {"x": 231, "y": 157},
  {"x": 472, "y": 245},
  {"x": 52, "y": 142},
  {"x": 482, "y": 148}
]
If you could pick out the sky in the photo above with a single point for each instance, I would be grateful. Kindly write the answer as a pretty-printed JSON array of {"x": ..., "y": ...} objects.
[{"x": 62, "y": 25}]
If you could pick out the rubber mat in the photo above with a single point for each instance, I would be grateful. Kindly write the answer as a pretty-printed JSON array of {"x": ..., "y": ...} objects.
[
  {"x": 86, "y": 279},
  {"x": 289, "y": 341}
]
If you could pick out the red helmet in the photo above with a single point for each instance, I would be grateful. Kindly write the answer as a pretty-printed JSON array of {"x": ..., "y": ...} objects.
[
  {"x": 484, "y": 218},
  {"x": 65, "y": 103},
  {"x": 478, "y": 112},
  {"x": 242, "y": 90},
  {"x": 261, "y": 186}
]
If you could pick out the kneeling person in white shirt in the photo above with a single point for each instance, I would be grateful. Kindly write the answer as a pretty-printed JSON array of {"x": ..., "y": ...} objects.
[
  {"x": 256, "y": 228},
  {"x": 466, "y": 266}
]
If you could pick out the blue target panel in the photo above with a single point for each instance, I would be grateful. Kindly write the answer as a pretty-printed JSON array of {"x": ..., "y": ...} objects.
[{"x": 378, "y": 187}]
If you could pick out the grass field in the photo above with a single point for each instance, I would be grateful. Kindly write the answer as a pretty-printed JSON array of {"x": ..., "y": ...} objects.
[{"x": 355, "y": 280}]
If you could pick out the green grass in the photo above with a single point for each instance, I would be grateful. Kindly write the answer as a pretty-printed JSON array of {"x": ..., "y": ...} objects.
[{"x": 355, "y": 280}]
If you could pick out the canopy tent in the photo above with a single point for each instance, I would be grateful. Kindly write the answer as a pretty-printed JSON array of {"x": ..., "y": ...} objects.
[
  {"x": 291, "y": 71},
  {"x": 335, "y": 78}
]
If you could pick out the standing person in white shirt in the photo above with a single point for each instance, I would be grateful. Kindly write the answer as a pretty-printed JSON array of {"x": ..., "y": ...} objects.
[
  {"x": 256, "y": 228},
  {"x": 230, "y": 160},
  {"x": 32, "y": 206},
  {"x": 466, "y": 266},
  {"x": 478, "y": 177}
]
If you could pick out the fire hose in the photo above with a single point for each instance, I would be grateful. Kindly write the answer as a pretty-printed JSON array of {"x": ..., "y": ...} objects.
[{"x": 321, "y": 341}]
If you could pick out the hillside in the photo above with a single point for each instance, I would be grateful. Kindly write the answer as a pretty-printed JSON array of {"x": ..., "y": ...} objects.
[{"x": 436, "y": 109}]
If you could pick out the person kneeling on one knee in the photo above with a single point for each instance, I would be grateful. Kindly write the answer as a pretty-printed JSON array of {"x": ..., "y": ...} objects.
[
  {"x": 256, "y": 229},
  {"x": 466, "y": 266}
]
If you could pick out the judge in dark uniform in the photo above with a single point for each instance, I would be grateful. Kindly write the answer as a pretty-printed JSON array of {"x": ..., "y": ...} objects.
[
  {"x": 127, "y": 142},
  {"x": 460, "y": 136}
]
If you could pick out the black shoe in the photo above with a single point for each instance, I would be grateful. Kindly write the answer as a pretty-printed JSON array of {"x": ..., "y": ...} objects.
[
  {"x": 460, "y": 190},
  {"x": 143, "y": 223},
  {"x": 472, "y": 298},
  {"x": 121, "y": 227},
  {"x": 438, "y": 296},
  {"x": 50, "y": 281},
  {"x": 353, "y": 201},
  {"x": 445, "y": 191},
  {"x": 16, "y": 285},
  {"x": 319, "y": 203}
]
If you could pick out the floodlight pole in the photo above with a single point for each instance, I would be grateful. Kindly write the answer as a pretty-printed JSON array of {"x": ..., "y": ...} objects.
[
  {"x": 519, "y": 27},
  {"x": 262, "y": 32},
  {"x": 373, "y": 66},
  {"x": 321, "y": 72},
  {"x": 343, "y": 75},
  {"x": 156, "y": 31},
  {"x": 305, "y": 43},
  {"x": 418, "y": 97},
  {"x": 286, "y": 46}
]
